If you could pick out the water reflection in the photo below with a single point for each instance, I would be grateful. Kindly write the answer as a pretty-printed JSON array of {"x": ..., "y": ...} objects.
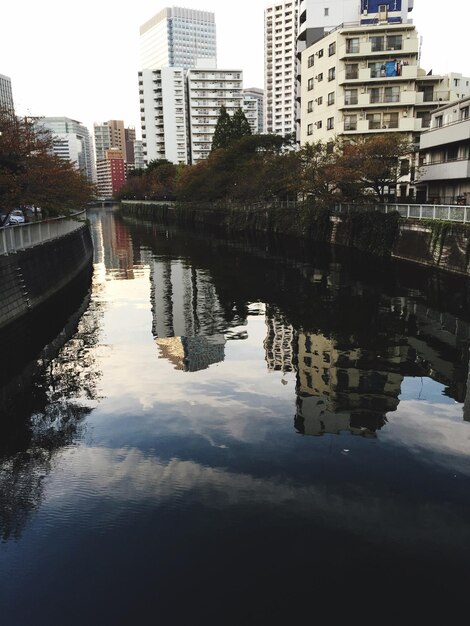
[
  {"x": 350, "y": 343},
  {"x": 43, "y": 404}
]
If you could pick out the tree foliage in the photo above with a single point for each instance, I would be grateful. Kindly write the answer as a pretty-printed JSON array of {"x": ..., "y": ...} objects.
[
  {"x": 30, "y": 174},
  {"x": 156, "y": 182},
  {"x": 229, "y": 128}
]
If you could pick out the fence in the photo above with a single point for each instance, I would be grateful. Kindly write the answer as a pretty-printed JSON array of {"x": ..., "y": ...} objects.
[
  {"x": 22, "y": 236},
  {"x": 451, "y": 213}
]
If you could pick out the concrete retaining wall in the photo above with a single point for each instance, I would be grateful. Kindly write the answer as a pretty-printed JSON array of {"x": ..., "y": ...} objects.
[{"x": 30, "y": 277}]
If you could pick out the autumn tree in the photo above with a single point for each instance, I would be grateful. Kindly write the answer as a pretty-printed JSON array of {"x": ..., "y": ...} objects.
[
  {"x": 375, "y": 161},
  {"x": 30, "y": 174}
]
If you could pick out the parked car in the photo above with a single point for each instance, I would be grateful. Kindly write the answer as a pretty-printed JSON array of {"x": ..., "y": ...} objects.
[{"x": 16, "y": 217}]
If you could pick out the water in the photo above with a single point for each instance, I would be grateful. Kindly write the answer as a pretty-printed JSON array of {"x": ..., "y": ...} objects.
[{"x": 245, "y": 432}]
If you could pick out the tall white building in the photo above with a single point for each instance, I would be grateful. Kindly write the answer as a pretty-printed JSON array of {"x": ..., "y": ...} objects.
[
  {"x": 171, "y": 42},
  {"x": 280, "y": 40},
  {"x": 72, "y": 142},
  {"x": 208, "y": 90},
  {"x": 6, "y": 96},
  {"x": 253, "y": 108},
  {"x": 163, "y": 114},
  {"x": 177, "y": 37}
]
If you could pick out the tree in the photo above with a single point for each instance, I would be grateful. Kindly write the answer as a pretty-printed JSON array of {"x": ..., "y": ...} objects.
[
  {"x": 223, "y": 130},
  {"x": 376, "y": 161},
  {"x": 30, "y": 174},
  {"x": 240, "y": 125}
]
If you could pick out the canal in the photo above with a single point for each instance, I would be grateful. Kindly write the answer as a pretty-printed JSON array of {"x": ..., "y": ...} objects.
[{"x": 236, "y": 432}]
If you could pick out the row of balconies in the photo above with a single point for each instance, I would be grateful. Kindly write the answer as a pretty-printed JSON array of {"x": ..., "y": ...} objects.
[
  {"x": 405, "y": 125},
  {"x": 364, "y": 48},
  {"x": 450, "y": 170},
  {"x": 404, "y": 98}
]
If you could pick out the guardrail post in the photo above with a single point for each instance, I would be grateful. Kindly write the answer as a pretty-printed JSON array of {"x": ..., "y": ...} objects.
[
  {"x": 448, "y": 213},
  {"x": 420, "y": 211},
  {"x": 4, "y": 241},
  {"x": 434, "y": 212},
  {"x": 465, "y": 215}
]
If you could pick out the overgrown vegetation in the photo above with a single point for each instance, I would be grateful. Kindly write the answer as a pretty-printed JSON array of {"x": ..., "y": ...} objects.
[{"x": 30, "y": 174}]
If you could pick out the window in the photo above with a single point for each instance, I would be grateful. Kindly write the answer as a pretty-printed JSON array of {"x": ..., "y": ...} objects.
[
  {"x": 319, "y": 124},
  {"x": 326, "y": 12},
  {"x": 438, "y": 121},
  {"x": 352, "y": 71},
  {"x": 310, "y": 84},
  {"x": 331, "y": 73},
  {"x": 320, "y": 77},
  {"x": 452, "y": 153},
  {"x": 310, "y": 106},
  {"x": 374, "y": 120},
  {"x": 320, "y": 53},
  {"x": 331, "y": 98},
  {"x": 374, "y": 95},
  {"x": 392, "y": 94},
  {"x": 330, "y": 123},
  {"x": 464, "y": 113},
  {"x": 390, "y": 120},
  {"x": 350, "y": 96},
  {"x": 377, "y": 44},
  {"x": 332, "y": 49},
  {"x": 310, "y": 129},
  {"x": 350, "y": 122},
  {"x": 319, "y": 100},
  {"x": 311, "y": 60},
  {"x": 352, "y": 45},
  {"x": 394, "y": 42},
  {"x": 404, "y": 167}
]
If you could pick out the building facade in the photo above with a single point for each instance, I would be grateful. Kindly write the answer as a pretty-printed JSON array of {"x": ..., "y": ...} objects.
[
  {"x": 163, "y": 114},
  {"x": 72, "y": 142},
  {"x": 366, "y": 79},
  {"x": 177, "y": 37},
  {"x": 253, "y": 107},
  {"x": 6, "y": 95},
  {"x": 280, "y": 41},
  {"x": 208, "y": 90},
  {"x": 111, "y": 173},
  {"x": 444, "y": 172}
]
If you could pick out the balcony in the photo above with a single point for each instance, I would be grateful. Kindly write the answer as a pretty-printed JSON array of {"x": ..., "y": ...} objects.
[
  {"x": 455, "y": 132},
  {"x": 451, "y": 170},
  {"x": 405, "y": 124},
  {"x": 364, "y": 49}
]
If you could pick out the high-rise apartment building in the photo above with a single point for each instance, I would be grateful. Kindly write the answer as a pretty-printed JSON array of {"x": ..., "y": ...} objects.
[
  {"x": 171, "y": 42},
  {"x": 253, "y": 108},
  {"x": 6, "y": 95},
  {"x": 177, "y": 37},
  {"x": 208, "y": 90},
  {"x": 113, "y": 134},
  {"x": 280, "y": 39},
  {"x": 163, "y": 114},
  {"x": 72, "y": 142}
]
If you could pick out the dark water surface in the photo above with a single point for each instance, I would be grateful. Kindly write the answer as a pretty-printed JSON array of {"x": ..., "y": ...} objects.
[{"x": 237, "y": 433}]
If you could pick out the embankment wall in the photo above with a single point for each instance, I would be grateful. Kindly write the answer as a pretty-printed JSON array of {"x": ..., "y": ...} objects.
[{"x": 437, "y": 244}]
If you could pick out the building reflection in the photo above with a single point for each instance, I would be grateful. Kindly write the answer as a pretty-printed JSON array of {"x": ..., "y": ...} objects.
[
  {"x": 341, "y": 387},
  {"x": 113, "y": 246},
  {"x": 188, "y": 320}
]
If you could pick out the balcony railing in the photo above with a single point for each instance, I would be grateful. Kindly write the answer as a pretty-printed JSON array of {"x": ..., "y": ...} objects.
[{"x": 440, "y": 212}]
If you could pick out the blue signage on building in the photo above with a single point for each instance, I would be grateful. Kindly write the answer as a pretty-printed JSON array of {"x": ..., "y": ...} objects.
[{"x": 372, "y": 6}]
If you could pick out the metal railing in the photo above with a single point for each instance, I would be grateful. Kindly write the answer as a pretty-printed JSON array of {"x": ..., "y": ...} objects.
[
  {"x": 22, "y": 236},
  {"x": 442, "y": 212}
]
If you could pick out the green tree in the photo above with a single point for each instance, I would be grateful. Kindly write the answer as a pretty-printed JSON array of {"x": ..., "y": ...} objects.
[
  {"x": 240, "y": 125},
  {"x": 223, "y": 130}
]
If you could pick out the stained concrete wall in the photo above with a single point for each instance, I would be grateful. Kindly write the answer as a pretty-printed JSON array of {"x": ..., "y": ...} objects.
[{"x": 30, "y": 277}]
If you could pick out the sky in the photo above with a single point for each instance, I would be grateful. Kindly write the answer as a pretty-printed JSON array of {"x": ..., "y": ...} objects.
[{"x": 81, "y": 61}]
